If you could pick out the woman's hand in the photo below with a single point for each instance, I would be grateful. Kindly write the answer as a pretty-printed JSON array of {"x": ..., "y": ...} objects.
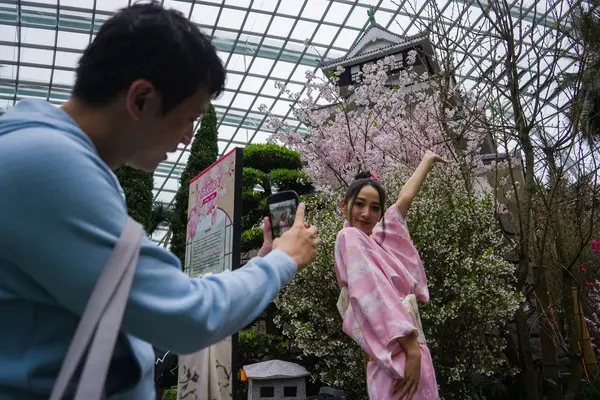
[
  {"x": 408, "y": 385},
  {"x": 413, "y": 185},
  {"x": 412, "y": 376},
  {"x": 433, "y": 158}
]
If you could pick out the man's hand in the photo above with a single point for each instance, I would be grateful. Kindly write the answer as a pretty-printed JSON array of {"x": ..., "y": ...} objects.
[
  {"x": 267, "y": 239},
  {"x": 300, "y": 242}
]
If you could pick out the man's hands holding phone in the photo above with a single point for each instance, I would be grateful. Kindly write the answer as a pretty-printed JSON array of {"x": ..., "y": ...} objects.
[{"x": 300, "y": 242}]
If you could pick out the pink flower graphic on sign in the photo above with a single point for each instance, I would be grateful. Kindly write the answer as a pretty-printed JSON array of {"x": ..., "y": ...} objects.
[
  {"x": 192, "y": 226},
  {"x": 205, "y": 193}
]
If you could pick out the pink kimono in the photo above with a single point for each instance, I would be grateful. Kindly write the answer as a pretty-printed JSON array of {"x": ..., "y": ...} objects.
[{"x": 380, "y": 278}]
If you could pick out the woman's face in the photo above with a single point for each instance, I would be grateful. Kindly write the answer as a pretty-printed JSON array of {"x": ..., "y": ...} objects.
[{"x": 366, "y": 210}]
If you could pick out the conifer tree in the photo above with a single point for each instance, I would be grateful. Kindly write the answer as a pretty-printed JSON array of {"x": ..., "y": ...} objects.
[{"x": 203, "y": 154}]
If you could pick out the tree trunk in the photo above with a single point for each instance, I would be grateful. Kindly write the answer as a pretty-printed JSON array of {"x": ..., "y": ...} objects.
[
  {"x": 527, "y": 377},
  {"x": 556, "y": 182},
  {"x": 270, "y": 313},
  {"x": 551, "y": 386},
  {"x": 574, "y": 388}
]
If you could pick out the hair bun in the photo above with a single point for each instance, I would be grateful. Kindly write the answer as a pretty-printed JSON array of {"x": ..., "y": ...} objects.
[{"x": 363, "y": 175}]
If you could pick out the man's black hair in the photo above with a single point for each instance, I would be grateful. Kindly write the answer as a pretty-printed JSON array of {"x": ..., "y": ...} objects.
[{"x": 146, "y": 41}]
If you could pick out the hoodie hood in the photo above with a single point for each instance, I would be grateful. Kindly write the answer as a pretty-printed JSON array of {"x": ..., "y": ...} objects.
[
  {"x": 35, "y": 114},
  {"x": 40, "y": 114}
]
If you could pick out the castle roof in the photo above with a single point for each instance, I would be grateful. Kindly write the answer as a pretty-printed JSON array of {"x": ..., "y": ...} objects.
[{"x": 376, "y": 42}]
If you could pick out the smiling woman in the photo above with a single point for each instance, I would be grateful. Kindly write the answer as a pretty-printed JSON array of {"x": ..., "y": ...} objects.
[
  {"x": 363, "y": 202},
  {"x": 381, "y": 277}
]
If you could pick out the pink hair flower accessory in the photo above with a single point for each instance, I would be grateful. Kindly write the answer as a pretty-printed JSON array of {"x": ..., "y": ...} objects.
[{"x": 374, "y": 176}]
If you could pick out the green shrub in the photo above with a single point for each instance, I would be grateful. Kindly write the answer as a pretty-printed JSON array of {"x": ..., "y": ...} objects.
[
  {"x": 252, "y": 239},
  {"x": 286, "y": 179},
  {"x": 170, "y": 394},
  {"x": 268, "y": 157}
]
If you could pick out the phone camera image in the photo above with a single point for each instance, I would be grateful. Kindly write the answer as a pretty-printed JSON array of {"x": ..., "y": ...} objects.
[{"x": 282, "y": 216}]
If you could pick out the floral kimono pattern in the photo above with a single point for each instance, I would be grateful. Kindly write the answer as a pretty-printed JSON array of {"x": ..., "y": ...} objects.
[{"x": 381, "y": 277}]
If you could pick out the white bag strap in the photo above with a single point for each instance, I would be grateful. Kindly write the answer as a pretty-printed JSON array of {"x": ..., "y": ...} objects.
[{"x": 101, "y": 320}]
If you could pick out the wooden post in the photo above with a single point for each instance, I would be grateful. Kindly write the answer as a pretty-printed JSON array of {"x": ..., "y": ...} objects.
[{"x": 590, "y": 364}]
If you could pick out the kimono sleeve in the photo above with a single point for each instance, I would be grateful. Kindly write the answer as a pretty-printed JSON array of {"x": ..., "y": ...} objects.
[
  {"x": 393, "y": 237},
  {"x": 375, "y": 317}
]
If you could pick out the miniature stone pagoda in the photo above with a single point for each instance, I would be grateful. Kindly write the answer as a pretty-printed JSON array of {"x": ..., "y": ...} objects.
[{"x": 276, "y": 380}]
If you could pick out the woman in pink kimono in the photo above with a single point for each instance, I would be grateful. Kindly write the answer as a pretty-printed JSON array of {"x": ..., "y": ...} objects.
[{"x": 381, "y": 277}]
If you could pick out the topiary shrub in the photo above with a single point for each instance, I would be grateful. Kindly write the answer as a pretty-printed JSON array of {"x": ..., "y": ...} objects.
[
  {"x": 203, "y": 153},
  {"x": 285, "y": 179},
  {"x": 268, "y": 157},
  {"x": 137, "y": 186},
  {"x": 273, "y": 168}
]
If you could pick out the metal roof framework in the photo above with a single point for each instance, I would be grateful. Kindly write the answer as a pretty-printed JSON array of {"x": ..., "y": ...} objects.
[{"x": 261, "y": 42}]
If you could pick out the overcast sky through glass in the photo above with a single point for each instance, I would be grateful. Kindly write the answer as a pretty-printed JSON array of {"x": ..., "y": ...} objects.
[{"x": 260, "y": 42}]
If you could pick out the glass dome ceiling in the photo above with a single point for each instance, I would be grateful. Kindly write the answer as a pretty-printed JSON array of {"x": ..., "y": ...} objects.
[{"x": 260, "y": 42}]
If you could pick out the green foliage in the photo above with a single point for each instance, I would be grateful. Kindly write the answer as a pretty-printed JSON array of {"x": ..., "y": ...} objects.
[
  {"x": 203, "y": 154},
  {"x": 253, "y": 210},
  {"x": 253, "y": 202},
  {"x": 268, "y": 157},
  {"x": 170, "y": 394},
  {"x": 268, "y": 165},
  {"x": 255, "y": 348},
  {"x": 591, "y": 388},
  {"x": 137, "y": 186},
  {"x": 471, "y": 286},
  {"x": 285, "y": 179},
  {"x": 162, "y": 214},
  {"x": 252, "y": 178},
  {"x": 252, "y": 239}
]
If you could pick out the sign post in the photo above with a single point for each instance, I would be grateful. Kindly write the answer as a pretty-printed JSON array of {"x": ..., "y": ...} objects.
[{"x": 213, "y": 246}]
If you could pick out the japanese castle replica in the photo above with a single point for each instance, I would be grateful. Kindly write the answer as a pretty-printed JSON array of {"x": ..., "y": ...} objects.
[{"x": 378, "y": 43}]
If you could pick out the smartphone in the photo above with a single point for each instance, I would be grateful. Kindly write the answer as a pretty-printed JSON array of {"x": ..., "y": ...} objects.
[{"x": 281, "y": 208}]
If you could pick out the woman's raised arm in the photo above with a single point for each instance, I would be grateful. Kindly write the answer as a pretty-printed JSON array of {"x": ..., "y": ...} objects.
[{"x": 413, "y": 185}]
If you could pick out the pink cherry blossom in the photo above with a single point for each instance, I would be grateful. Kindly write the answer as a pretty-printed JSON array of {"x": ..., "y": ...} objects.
[
  {"x": 384, "y": 125},
  {"x": 192, "y": 226},
  {"x": 596, "y": 245}
]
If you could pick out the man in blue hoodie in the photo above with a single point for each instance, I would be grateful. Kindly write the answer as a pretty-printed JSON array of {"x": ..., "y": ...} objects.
[{"x": 140, "y": 85}]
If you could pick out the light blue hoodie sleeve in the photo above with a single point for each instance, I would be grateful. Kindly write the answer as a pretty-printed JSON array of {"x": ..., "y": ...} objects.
[{"x": 62, "y": 215}]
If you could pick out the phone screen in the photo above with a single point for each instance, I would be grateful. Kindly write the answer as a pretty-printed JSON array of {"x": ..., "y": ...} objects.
[{"x": 282, "y": 216}]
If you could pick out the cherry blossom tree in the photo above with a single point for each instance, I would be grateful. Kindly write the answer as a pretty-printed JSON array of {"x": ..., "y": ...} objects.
[{"x": 383, "y": 124}]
